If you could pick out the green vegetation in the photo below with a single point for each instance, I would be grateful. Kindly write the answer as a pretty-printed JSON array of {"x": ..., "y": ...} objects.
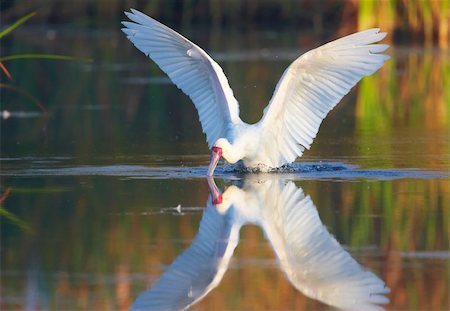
[
  {"x": 3, "y": 59},
  {"x": 16, "y": 24}
]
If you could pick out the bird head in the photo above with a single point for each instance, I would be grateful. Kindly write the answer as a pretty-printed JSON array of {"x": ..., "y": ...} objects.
[{"x": 222, "y": 148}]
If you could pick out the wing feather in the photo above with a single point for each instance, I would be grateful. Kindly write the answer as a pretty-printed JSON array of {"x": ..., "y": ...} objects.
[
  {"x": 311, "y": 86},
  {"x": 312, "y": 259},
  {"x": 198, "y": 270},
  {"x": 191, "y": 70}
]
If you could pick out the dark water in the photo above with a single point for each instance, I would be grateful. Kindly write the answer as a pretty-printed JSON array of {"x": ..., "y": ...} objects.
[{"x": 107, "y": 189}]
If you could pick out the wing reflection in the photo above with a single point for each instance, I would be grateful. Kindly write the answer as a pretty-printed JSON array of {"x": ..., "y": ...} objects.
[
  {"x": 313, "y": 261},
  {"x": 198, "y": 269}
]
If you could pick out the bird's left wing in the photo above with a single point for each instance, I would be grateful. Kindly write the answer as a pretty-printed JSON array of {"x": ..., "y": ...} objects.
[
  {"x": 310, "y": 87},
  {"x": 190, "y": 68}
]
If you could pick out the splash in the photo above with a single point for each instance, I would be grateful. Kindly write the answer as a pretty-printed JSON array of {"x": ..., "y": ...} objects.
[{"x": 295, "y": 167}]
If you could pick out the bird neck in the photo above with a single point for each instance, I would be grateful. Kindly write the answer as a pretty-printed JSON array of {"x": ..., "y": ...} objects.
[{"x": 233, "y": 153}]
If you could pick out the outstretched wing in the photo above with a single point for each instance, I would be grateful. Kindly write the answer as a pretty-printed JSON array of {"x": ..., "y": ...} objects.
[
  {"x": 198, "y": 270},
  {"x": 314, "y": 262},
  {"x": 311, "y": 86},
  {"x": 190, "y": 68}
]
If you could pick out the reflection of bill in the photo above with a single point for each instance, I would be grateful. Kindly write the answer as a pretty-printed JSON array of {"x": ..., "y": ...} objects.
[{"x": 313, "y": 261}]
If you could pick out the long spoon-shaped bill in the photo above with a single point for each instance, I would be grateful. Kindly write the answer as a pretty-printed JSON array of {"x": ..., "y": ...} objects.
[{"x": 216, "y": 153}]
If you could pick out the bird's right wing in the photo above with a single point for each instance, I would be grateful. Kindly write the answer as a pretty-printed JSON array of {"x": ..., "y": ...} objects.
[
  {"x": 313, "y": 261},
  {"x": 191, "y": 69}
]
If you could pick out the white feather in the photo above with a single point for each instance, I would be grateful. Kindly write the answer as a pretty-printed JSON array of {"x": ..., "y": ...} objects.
[
  {"x": 198, "y": 270},
  {"x": 190, "y": 68},
  {"x": 313, "y": 261},
  {"x": 309, "y": 88},
  {"x": 313, "y": 84}
]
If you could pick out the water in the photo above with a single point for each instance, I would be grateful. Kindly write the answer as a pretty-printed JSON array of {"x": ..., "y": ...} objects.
[{"x": 107, "y": 189}]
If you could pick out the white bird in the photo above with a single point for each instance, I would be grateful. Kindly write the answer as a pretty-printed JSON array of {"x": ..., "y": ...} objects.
[
  {"x": 311, "y": 258},
  {"x": 308, "y": 89}
]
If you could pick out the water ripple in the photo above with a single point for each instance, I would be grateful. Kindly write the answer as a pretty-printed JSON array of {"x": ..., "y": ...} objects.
[{"x": 298, "y": 171}]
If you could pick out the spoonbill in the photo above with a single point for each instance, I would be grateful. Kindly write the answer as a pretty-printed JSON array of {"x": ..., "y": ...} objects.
[
  {"x": 311, "y": 258},
  {"x": 308, "y": 89}
]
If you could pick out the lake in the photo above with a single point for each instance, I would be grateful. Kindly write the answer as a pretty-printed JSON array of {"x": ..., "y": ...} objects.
[{"x": 105, "y": 166}]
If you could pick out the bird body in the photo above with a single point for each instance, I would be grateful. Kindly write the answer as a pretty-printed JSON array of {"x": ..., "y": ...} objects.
[{"x": 308, "y": 89}]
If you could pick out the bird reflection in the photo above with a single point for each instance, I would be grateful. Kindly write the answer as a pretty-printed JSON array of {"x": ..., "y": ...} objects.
[{"x": 311, "y": 258}]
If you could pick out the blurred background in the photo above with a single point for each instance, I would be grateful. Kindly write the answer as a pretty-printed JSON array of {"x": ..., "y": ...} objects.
[
  {"x": 417, "y": 21},
  {"x": 254, "y": 41},
  {"x": 91, "y": 242}
]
